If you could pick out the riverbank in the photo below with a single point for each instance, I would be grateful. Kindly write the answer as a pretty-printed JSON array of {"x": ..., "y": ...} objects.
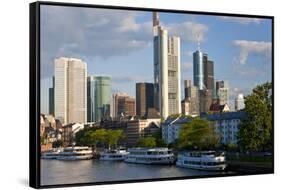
[{"x": 250, "y": 164}]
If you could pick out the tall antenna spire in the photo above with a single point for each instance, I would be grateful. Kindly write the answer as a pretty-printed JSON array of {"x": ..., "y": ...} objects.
[{"x": 198, "y": 42}]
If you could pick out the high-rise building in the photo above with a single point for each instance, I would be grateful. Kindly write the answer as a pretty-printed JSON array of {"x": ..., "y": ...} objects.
[
  {"x": 222, "y": 91},
  {"x": 90, "y": 99},
  {"x": 166, "y": 70},
  {"x": 123, "y": 105},
  {"x": 70, "y": 90},
  {"x": 126, "y": 106},
  {"x": 198, "y": 69},
  {"x": 205, "y": 100},
  {"x": 174, "y": 90},
  {"x": 102, "y": 91},
  {"x": 144, "y": 98},
  {"x": 187, "y": 83},
  {"x": 52, "y": 98},
  {"x": 239, "y": 102},
  {"x": 208, "y": 73},
  {"x": 190, "y": 104},
  {"x": 203, "y": 74}
]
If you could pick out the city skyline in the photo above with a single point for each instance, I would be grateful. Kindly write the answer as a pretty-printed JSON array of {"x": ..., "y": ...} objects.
[{"x": 246, "y": 45}]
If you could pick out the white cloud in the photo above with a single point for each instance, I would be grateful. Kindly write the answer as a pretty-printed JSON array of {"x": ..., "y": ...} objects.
[
  {"x": 241, "y": 20},
  {"x": 72, "y": 31},
  {"x": 188, "y": 31},
  {"x": 252, "y": 47}
]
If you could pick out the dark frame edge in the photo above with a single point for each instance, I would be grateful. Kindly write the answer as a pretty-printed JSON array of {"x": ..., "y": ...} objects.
[{"x": 34, "y": 134}]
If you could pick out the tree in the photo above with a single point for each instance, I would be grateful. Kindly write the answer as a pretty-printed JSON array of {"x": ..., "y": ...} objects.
[
  {"x": 147, "y": 142},
  {"x": 255, "y": 130},
  {"x": 113, "y": 136},
  {"x": 199, "y": 134},
  {"x": 158, "y": 139},
  {"x": 97, "y": 137}
]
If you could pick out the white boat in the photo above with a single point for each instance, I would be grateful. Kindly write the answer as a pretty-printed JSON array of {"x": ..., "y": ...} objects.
[
  {"x": 51, "y": 154},
  {"x": 150, "y": 156},
  {"x": 113, "y": 155},
  {"x": 202, "y": 160},
  {"x": 76, "y": 153}
]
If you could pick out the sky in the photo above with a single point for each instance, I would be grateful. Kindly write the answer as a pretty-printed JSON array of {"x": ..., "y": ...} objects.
[{"x": 119, "y": 43}]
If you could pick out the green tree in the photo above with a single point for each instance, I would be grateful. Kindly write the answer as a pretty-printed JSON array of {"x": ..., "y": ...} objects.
[
  {"x": 97, "y": 137},
  {"x": 147, "y": 142},
  {"x": 158, "y": 138},
  {"x": 199, "y": 133},
  {"x": 113, "y": 136},
  {"x": 255, "y": 131}
]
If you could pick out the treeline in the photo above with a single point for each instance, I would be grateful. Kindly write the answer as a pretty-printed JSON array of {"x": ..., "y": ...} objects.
[{"x": 101, "y": 137}]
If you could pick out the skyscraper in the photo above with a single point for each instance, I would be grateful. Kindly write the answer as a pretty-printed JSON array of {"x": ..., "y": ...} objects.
[
  {"x": 102, "y": 91},
  {"x": 174, "y": 89},
  {"x": 222, "y": 92},
  {"x": 208, "y": 73},
  {"x": 144, "y": 98},
  {"x": 123, "y": 105},
  {"x": 70, "y": 90},
  {"x": 239, "y": 102},
  {"x": 198, "y": 69},
  {"x": 166, "y": 70},
  {"x": 90, "y": 99},
  {"x": 187, "y": 84},
  {"x": 126, "y": 106},
  {"x": 190, "y": 104}
]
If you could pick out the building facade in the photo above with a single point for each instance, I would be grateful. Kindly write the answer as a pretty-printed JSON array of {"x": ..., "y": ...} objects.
[
  {"x": 222, "y": 92},
  {"x": 198, "y": 70},
  {"x": 227, "y": 126},
  {"x": 69, "y": 131},
  {"x": 140, "y": 128},
  {"x": 174, "y": 88},
  {"x": 171, "y": 128},
  {"x": 190, "y": 104},
  {"x": 102, "y": 92},
  {"x": 90, "y": 99},
  {"x": 239, "y": 102},
  {"x": 126, "y": 106},
  {"x": 166, "y": 70},
  {"x": 144, "y": 98},
  {"x": 70, "y": 90},
  {"x": 52, "y": 98},
  {"x": 123, "y": 105}
]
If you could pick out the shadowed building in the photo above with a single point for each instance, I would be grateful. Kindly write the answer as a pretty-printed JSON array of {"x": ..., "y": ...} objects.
[
  {"x": 90, "y": 99},
  {"x": 144, "y": 98},
  {"x": 52, "y": 98},
  {"x": 123, "y": 105}
]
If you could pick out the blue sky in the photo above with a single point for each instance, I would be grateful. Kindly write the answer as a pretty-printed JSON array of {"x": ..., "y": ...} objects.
[{"x": 119, "y": 44}]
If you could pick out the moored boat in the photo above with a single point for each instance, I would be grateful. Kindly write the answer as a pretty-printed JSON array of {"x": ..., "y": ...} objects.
[
  {"x": 76, "y": 153},
  {"x": 51, "y": 154},
  {"x": 113, "y": 155},
  {"x": 202, "y": 160},
  {"x": 150, "y": 156}
]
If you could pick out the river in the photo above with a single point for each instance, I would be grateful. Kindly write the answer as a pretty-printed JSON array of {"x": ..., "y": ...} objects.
[{"x": 56, "y": 172}]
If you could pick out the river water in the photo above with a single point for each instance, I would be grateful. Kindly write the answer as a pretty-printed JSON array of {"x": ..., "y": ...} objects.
[{"x": 55, "y": 172}]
